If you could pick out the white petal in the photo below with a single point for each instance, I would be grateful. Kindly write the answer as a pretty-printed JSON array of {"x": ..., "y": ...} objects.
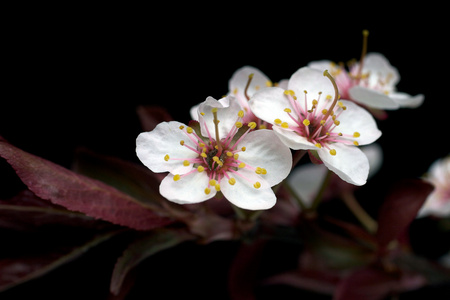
[
  {"x": 188, "y": 189},
  {"x": 306, "y": 181},
  {"x": 194, "y": 112},
  {"x": 269, "y": 104},
  {"x": 349, "y": 163},
  {"x": 264, "y": 149},
  {"x": 372, "y": 98},
  {"x": 227, "y": 113},
  {"x": 292, "y": 139},
  {"x": 405, "y": 100},
  {"x": 244, "y": 195},
  {"x": 379, "y": 68},
  {"x": 153, "y": 146},
  {"x": 314, "y": 82},
  {"x": 357, "y": 119},
  {"x": 239, "y": 80}
]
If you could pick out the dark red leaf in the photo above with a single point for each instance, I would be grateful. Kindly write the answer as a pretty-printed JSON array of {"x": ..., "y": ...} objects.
[
  {"x": 79, "y": 193},
  {"x": 400, "y": 208}
]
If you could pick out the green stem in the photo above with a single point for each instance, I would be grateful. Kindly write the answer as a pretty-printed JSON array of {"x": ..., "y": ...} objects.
[
  {"x": 295, "y": 195},
  {"x": 363, "y": 217},
  {"x": 319, "y": 195}
]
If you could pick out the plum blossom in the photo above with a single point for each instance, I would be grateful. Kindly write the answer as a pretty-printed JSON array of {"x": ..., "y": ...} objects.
[
  {"x": 217, "y": 153},
  {"x": 438, "y": 202},
  {"x": 306, "y": 116},
  {"x": 371, "y": 82}
]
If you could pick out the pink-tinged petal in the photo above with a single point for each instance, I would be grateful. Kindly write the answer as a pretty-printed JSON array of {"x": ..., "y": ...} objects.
[
  {"x": 357, "y": 119},
  {"x": 227, "y": 113},
  {"x": 264, "y": 149},
  {"x": 243, "y": 193},
  {"x": 372, "y": 98},
  {"x": 313, "y": 82},
  {"x": 238, "y": 82},
  {"x": 188, "y": 189},
  {"x": 379, "y": 68},
  {"x": 292, "y": 139},
  {"x": 269, "y": 104},
  {"x": 193, "y": 112},
  {"x": 405, "y": 100},
  {"x": 79, "y": 193},
  {"x": 153, "y": 146},
  {"x": 349, "y": 163}
]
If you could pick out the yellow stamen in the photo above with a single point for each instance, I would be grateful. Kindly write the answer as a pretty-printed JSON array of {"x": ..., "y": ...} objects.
[
  {"x": 189, "y": 130},
  {"x": 243, "y": 149},
  {"x": 186, "y": 163},
  {"x": 217, "y": 186},
  {"x": 200, "y": 169},
  {"x": 229, "y": 153},
  {"x": 238, "y": 124},
  {"x": 252, "y": 125},
  {"x": 277, "y": 121},
  {"x": 182, "y": 143},
  {"x": 166, "y": 158},
  {"x": 333, "y": 152},
  {"x": 207, "y": 191},
  {"x": 176, "y": 177},
  {"x": 318, "y": 145},
  {"x": 212, "y": 182},
  {"x": 288, "y": 110},
  {"x": 356, "y": 134},
  {"x": 257, "y": 185},
  {"x": 285, "y": 125},
  {"x": 181, "y": 127},
  {"x": 306, "y": 122},
  {"x": 241, "y": 165},
  {"x": 241, "y": 114},
  {"x": 232, "y": 181},
  {"x": 355, "y": 143}
]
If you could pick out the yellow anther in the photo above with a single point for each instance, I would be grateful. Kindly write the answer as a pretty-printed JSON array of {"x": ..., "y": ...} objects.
[
  {"x": 207, "y": 191},
  {"x": 340, "y": 134},
  {"x": 355, "y": 143},
  {"x": 305, "y": 91},
  {"x": 258, "y": 170},
  {"x": 200, "y": 169},
  {"x": 285, "y": 125},
  {"x": 336, "y": 122},
  {"x": 216, "y": 147},
  {"x": 201, "y": 145},
  {"x": 340, "y": 104},
  {"x": 333, "y": 152},
  {"x": 216, "y": 159},
  {"x": 202, "y": 113},
  {"x": 182, "y": 143},
  {"x": 212, "y": 182},
  {"x": 166, "y": 158},
  {"x": 204, "y": 149},
  {"x": 186, "y": 163},
  {"x": 324, "y": 111},
  {"x": 217, "y": 186},
  {"x": 318, "y": 145},
  {"x": 306, "y": 122},
  {"x": 252, "y": 125},
  {"x": 235, "y": 91},
  {"x": 238, "y": 124},
  {"x": 356, "y": 134},
  {"x": 229, "y": 153},
  {"x": 277, "y": 121},
  {"x": 214, "y": 110},
  {"x": 257, "y": 185},
  {"x": 329, "y": 97},
  {"x": 203, "y": 154},
  {"x": 264, "y": 171},
  {"x": 315, "y": 102},
  {"x": 241, "y": 114},
  {"x": 288, "y": 110},
  {"x": 189, "y": 130},
  {"x": 286, "y": 92},
  {"x": 232, "y": 181},
  {"x": 243, "y": 149},
  {"x": 262, "y": 126},
  {"x": 257, "y": 87},
  {"x": 176, "y": 177},
  {"x": 269, "y": 83},
  {"x": 241, "y": 165},
  {"x": 322, "y": 122},
  {"x": 236, "y": 156},
  {"x": 181, "y": 127}
]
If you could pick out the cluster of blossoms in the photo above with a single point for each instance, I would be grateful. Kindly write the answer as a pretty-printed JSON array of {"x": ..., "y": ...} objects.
[{"x": 241, "y": 144}]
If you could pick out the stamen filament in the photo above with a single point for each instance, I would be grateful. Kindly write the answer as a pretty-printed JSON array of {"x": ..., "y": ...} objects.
[{"x": 250, "y": 77}]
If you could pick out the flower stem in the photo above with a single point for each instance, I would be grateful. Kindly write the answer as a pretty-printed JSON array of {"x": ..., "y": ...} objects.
[
  {"x": 319, "y": 195},
  {"x": 363, "y": 217}
]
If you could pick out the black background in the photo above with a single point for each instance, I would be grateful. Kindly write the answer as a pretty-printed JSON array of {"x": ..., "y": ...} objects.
[{"x": 74, "y": 76}]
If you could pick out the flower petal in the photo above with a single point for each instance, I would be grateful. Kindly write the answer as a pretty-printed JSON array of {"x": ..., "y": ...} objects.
[
  {"x": 227, "y": 113},
  {"x": 405, "y": 100},
  {"x": 269, "y": 104},
  {"x": 153, "y": 146},
  {"x": 313, "y": 81},
  {"x": 292, "y": 139},
  {"x": 357, "y": 119},
  {"x": 239, "y": 81},
  {"x": 379, "y": 67},
  {"x": 349, "y": 163},
  {"x": 265, "y": 150},
  {"x": 372, "y": 98},
  {"x": 244, "y": 195},
  {"x": 188, "y": 189}
]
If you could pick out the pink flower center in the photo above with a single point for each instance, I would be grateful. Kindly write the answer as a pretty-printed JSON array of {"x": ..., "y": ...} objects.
[
  {"x": 318, "y": 121},
  {"x": 218, "y": 158}
]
